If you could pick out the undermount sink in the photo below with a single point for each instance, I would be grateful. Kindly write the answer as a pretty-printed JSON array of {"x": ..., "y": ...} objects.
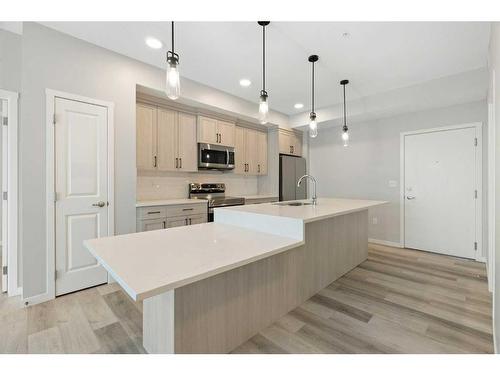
[{"x": 293, "y": 204}]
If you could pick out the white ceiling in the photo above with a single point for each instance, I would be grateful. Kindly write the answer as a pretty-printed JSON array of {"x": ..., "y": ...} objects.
[{"x": 375, "y": 57}]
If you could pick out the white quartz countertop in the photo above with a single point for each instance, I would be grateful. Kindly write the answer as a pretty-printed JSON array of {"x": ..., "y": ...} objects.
[
  {"x": 169, "y": 202},
  {"x": 260, "y": 196},
  {"x": 149, "y": 263},
  {"x": 325, "y": 208}
]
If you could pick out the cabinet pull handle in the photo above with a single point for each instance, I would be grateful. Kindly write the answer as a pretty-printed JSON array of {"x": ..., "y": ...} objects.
[
  {"x": 189, "y": 221},
  {"x": 176, "y": 162},
  {"x": 164, "y": 224},
  {"x": 155, "y": 161},
  {"x": 220, "y": 138},
  {"x": 180, "y": 163},
  {"x": 186, "y": 220},
  {"x": 258, "y": 168},
  {"x": 153, "y": 212},
  {"x": 188, "y": 209}
]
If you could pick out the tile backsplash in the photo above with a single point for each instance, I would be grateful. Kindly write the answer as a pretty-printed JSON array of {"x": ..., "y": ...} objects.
[{"x": 171, "y": 185}]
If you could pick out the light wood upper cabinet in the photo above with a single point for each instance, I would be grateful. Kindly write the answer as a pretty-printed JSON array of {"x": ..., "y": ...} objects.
[
  {"x": 216, "y": 131},
  {"x": 145, "y": 137},
  {"x": 261, "y": 153},
  {"x": 207, "y": 130},
  {"x": 239, "y": 151},
  {"x": 187, "y": 146},
  {"x": 166, "y": 140},
  {"x": 226, "y": 133},
  {"x": 290, "y": 142},
  {"x": 250, "y": 152}
]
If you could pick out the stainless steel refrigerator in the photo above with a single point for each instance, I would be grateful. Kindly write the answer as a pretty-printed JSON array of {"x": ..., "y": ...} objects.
[{"x": 291, "y": 169}]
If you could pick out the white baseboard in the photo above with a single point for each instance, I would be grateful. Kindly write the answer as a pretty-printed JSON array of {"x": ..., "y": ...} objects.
[
  {"x": 481, "y": 260},
  {"x": 384, "y": 242}
]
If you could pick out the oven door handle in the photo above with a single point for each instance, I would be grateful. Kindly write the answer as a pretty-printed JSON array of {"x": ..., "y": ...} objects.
[{"x": 227, "y": 157}]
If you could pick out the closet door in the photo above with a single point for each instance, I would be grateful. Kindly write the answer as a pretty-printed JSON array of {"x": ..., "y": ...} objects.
[{"x": 167, "y": 159}]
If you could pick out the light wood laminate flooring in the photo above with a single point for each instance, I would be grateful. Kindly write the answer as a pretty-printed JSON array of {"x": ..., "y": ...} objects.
[{"x": 398, "y": 301}]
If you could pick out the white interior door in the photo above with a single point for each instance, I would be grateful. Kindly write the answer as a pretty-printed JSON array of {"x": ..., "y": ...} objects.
[
  {"x": 5, "y": 164},
  {"x": 440, "y": 183},
  {"x": 81, "y": 181}
]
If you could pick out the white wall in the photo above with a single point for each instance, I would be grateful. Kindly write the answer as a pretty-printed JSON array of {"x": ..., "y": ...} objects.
[
  {"x": 57, "y": 61},
  {"x": 494, "y": 65},
  {"x": 364, "y": 169}
]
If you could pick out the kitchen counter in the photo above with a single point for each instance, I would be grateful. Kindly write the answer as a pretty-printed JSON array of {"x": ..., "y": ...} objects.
[
  {"x": 209, "y": 287},
  {"x": 325, "y": 208},
  {"x": 261, "y": 196},
  {"x": 169, "y": 202},
  {"x": 149, "y": 263}
]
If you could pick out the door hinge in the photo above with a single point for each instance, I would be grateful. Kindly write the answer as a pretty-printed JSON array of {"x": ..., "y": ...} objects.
[
  {"x": 4, "y": 270},
  {"x": 475, "y": 246},
  {"x": 475, "y": 142},
  {"x": 5, "y": 121},
  {"x": 475, "y": 194},
  {"x": 4, "y": 195}
]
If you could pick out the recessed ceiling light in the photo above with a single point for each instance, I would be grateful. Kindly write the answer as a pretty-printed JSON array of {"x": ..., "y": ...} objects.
[
  {"x": 298, "y": 105},
  {"x": 346, "y": 35},
  {"x": 245, "y": 82},
  {"x": 154, "y": 43}
]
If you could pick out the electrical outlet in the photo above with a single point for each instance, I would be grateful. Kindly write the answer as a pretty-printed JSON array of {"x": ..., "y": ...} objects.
[{"x": 374, "y": 220}]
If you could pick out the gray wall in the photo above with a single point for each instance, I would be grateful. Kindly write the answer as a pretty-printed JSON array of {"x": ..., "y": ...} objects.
[
  {"x": 10, "y": 61},
  {"x": 56, "y": 61},
  {"x": 494, "y": 61},
  {"x": 10, "y": 75},
  {"x": 364, "y": 169}
]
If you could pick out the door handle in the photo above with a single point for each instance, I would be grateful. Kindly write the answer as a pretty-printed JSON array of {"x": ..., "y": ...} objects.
[
  {"x": 99, "y": 204},
  {"x": 410, "y": 197}
]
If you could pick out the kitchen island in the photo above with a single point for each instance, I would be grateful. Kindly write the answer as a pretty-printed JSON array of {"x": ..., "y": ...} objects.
[{"x": 207, "y": 288}]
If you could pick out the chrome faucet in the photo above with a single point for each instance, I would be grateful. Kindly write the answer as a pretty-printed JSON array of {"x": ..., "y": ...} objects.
[{"x": 314, "y": 197}]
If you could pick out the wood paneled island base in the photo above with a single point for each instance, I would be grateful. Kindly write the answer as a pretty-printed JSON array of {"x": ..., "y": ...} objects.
[{"x": 217, "y": 314}]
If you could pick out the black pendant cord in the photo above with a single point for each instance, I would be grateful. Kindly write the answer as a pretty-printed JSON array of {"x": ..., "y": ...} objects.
[
  {"x": 264, "y": 58},
  {"x": 173, "y": 50},
  {"x": 345, "y": 123},
  {"x": 313, "y": 87}
]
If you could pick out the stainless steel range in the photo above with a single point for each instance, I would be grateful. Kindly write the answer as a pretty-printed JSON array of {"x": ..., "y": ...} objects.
[{"x": 216, "y": 196}]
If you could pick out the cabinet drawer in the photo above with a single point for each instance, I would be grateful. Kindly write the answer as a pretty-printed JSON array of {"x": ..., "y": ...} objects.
[
  {"x": 186, "y": 209},
  {"x": 197, "y": 219},
  {"x": 152, "y": 212}
]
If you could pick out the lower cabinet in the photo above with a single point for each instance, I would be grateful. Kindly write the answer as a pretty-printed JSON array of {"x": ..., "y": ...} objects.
[{"x": 161, "y": 217}]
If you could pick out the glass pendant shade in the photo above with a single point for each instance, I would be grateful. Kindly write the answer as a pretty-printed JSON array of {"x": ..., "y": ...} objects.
[
  {"x": 313, "y": 126},
  {"x": 173, "y": 89},
  {"x": 345, "y": 137},
  {"x": 263, "y": 109}
]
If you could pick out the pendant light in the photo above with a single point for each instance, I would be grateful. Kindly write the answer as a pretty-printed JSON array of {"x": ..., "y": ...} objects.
[
  {"x": 173, "y": 82},
  {"x": 313, "y": 125},
  {"x": 345, "y": 129},
  {"x": 263, "y": 103}
]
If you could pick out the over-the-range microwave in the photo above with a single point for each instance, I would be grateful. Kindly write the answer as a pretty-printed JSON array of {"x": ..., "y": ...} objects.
[{"x": 215, "y": 157}]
